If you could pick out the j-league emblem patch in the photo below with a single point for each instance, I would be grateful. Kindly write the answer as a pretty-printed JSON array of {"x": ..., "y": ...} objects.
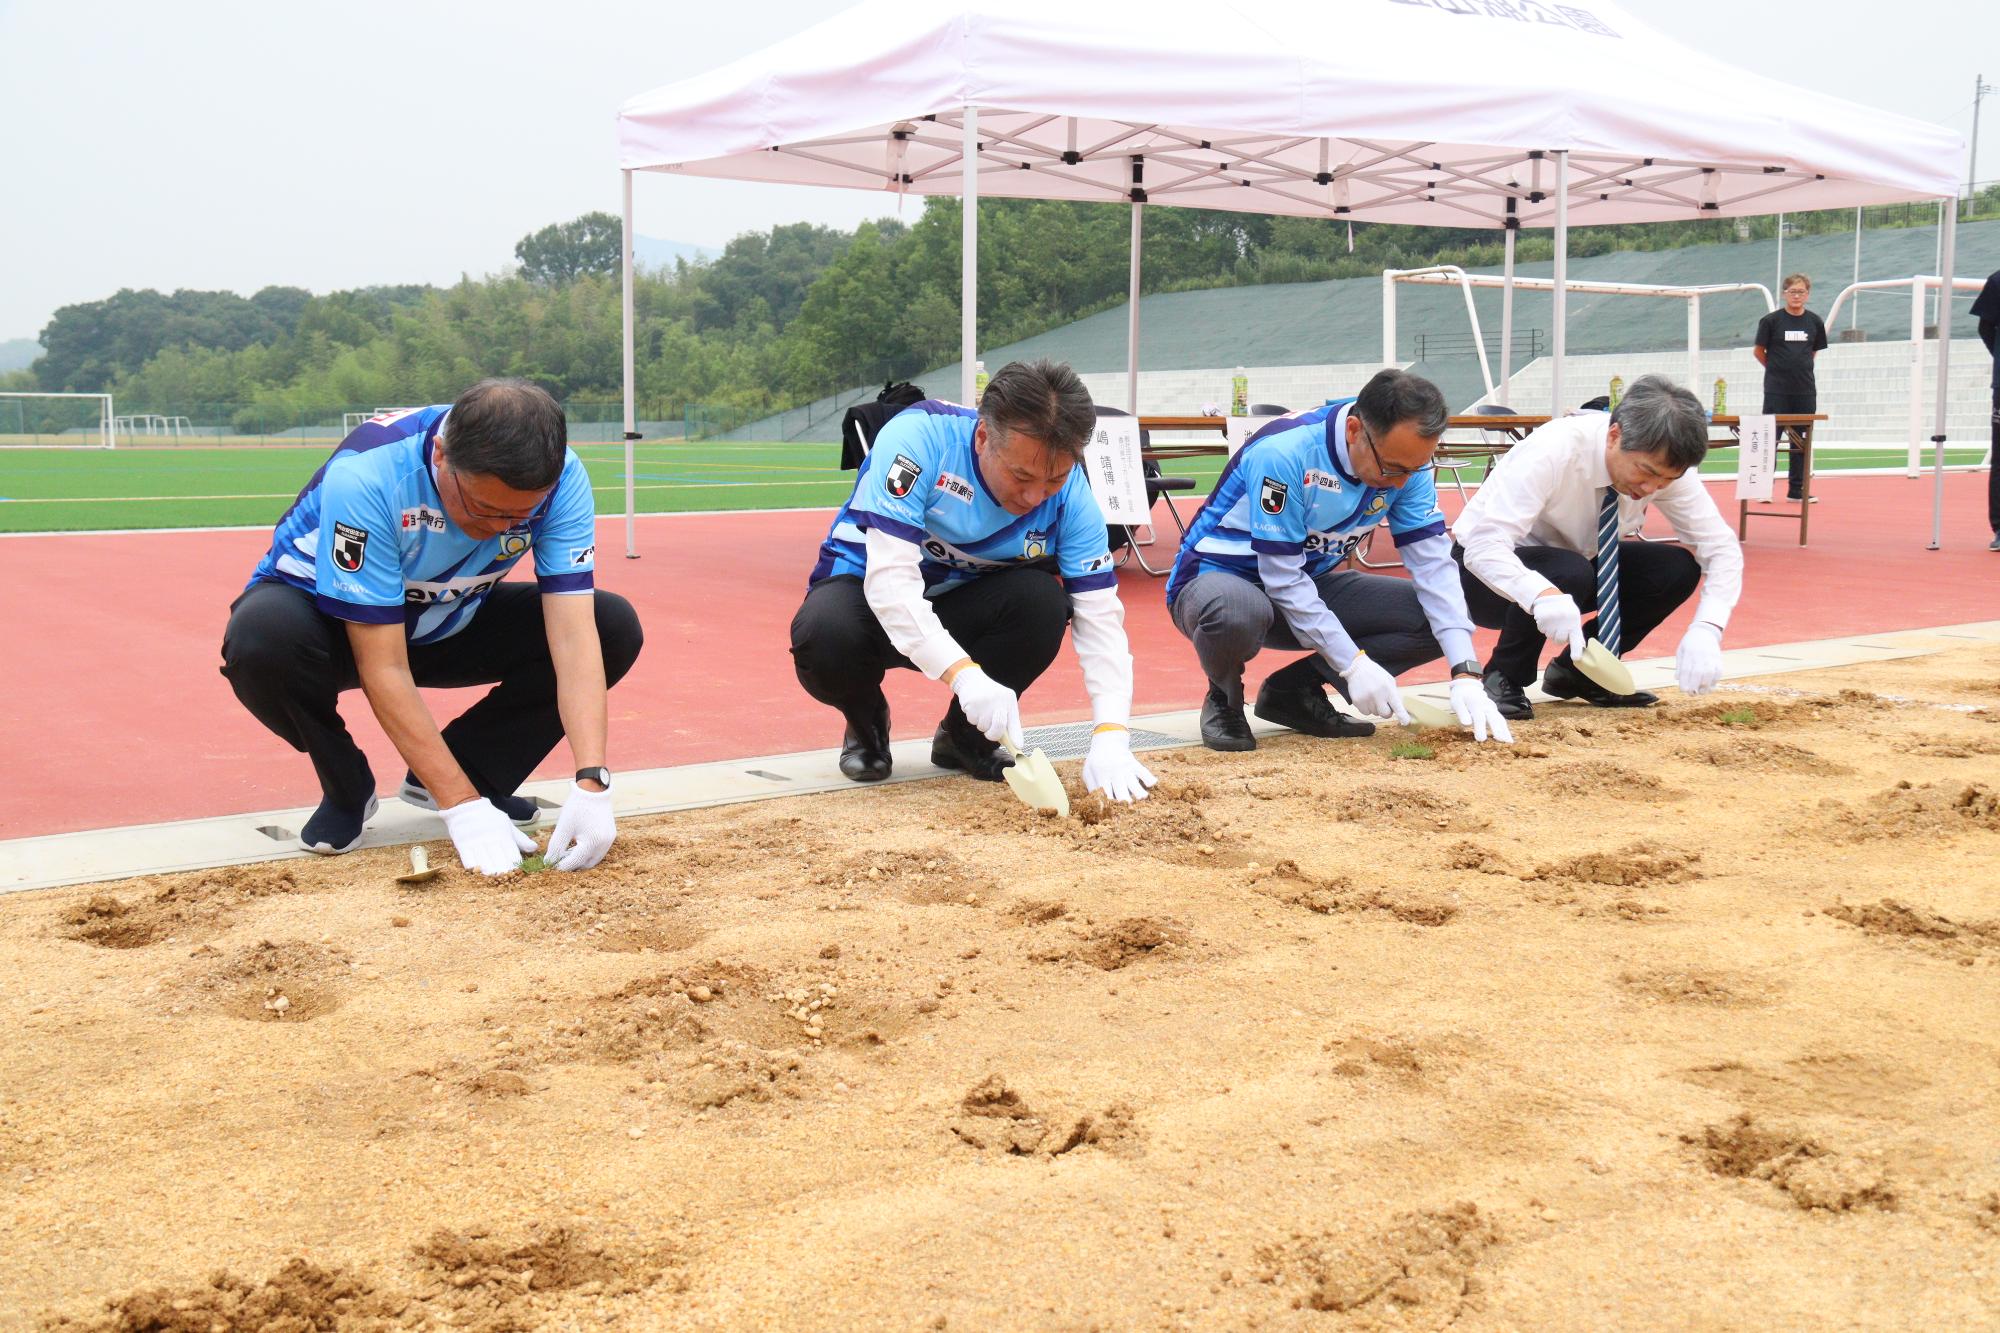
[
  {"x": 1272, "y": 496},
  {"x": 349, "y": 546},
  {"x": 903, "y": 474}
]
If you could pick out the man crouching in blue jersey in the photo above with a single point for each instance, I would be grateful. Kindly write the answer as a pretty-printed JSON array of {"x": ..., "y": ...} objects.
[
  {"x": 386, "y": 574},
  {"x": 970, "y": 540},
  {"x": 1260, "y": 568}
]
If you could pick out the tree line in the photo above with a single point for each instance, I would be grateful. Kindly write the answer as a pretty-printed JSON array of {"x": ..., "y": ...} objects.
[{"x": 780, "y": 317}]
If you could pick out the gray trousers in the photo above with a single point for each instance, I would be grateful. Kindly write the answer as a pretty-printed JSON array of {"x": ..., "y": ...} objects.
[{"x": 1229, "y": 619}]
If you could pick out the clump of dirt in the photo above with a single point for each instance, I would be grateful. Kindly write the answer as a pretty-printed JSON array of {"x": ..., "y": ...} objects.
[
  {"x": 1124, "y": 942},
  {"x": 492, "y": 1277},
  {"x": 1920, "y": 925},
  {"x": 498, "y": 1084},
  {"x": 1419, "y": 1272},
  {"x": 673, "y": 1011},
  {"x": 603, "y": 914},
  {"x": 1404, "y": 807},
  {"x": 1955, "y": 748},
  {"x": 1813, "y": 1175},
  {"x": 1465, "y": 854},
  {"x": 1761, "y": 755},
  {"x": 187, "y": 907},
  {"x": 1632, "y": 866},
  {"x": 1602, "y": 779},
  {"x": 1325, "y": 896},
  {"x": 274, "y": 981},
  {"x": 994, "y": 1118},
  {"x": 1692, "y": 985},
  {"x": 1626, "y": 909},
  {"x": 1172, "y": 825},
  {"x": 1037, "y": 911},
  {"x": 1906, "y": 810},
  {"x": 301, "y": 1297},
  {"x": 927, "y": 877},
  {"x": 731, "y": 1071}
]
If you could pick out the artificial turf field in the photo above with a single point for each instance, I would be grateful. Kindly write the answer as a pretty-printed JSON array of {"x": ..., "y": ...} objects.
[{"x": 55, "y": 490}]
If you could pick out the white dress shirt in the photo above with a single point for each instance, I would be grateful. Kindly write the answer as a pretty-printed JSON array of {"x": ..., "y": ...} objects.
[{"x": 1546, "y": 490}]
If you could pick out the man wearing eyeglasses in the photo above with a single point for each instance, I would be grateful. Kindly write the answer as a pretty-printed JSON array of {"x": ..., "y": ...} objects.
[
  {"x": 387, "y": 574},
  {"x": 1260, "y": 568}
]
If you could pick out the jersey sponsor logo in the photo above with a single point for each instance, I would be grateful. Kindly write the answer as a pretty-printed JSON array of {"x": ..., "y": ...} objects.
[
  {"x": 349, "y": 585},
  {"x": 427, "y": 594},
  {"x": 958, "y": 488},
  {"x": 1326, "y": 481},
  {"x": 515, "y": 543},
  {"x": 384, "y": 418},
  {"x": 1097, "y": 564},
  {"x": 1034, "y": 545},
  {"x": 582, "y": 555},
  {"x": 423, "y": 516},
  {"x": 903, "y": 474},
  {"x": 350, "y": 546},
  {"x": 1271, "y": 496}
]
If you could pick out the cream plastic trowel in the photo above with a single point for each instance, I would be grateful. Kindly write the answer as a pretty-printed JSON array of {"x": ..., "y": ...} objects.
[
  {"x": 1034, "y": 781},
  {"x": 421, "y": 869},
  {"x": 1603, "y": 666},
  {"x": 1424, "y": 713}
]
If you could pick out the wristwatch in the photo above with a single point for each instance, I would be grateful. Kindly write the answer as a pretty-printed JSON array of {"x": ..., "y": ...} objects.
[
  {"x": 1466, "y": 668},
  {"x": 600, "y": 774}
]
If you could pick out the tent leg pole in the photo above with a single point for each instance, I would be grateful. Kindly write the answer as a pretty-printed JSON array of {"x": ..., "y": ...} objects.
[
  {"x": 968, "y": 272},
  {"x": 1694, "y": 347},
  {"x": 1507, "y": 315},
  {"x": 1916, "y": 375},
  {"x": 631, "y": 416},
  {"x": 1558, "y": 341},
  {"x": 1948, "y": 245},
  {"x": 1132, "y": 322}
]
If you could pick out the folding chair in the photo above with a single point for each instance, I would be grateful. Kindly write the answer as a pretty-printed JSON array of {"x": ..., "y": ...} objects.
[{"x": 1125, "y": 539}]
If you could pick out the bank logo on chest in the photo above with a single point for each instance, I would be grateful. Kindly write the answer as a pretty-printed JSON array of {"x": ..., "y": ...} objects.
[
  {"x": 903, "y": 474},
  {"x": 1326, "y": 481},
  {"x": 958, "y": 488},
  {"x": 423, "y": 517}
]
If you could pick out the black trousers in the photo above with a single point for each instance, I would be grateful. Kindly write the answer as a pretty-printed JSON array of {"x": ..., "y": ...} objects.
[
  {"x": 1993, "y": 473},
  {"x": 1011, "y": 623},
  {"x": 1795, "y": 459},
  {"x": 289, "y": 661},
  {"x": 1654, "y": 578}
]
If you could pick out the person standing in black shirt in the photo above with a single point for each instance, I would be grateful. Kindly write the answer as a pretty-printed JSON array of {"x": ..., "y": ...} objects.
[
  {"x": 1787, "y": 341},
  {"x": 1987, "y": 311}
]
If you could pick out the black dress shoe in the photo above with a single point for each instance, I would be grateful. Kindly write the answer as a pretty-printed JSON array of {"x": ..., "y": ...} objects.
[
  {"x": 1508, "y": 698},
  {"x": 864, "y": 751},
  {"x": 1308, "y": 711},
  {"x": 957, "y": 744},
  {"x": 1223, "y": 726},
  {"x": 1561, "y": 680}
]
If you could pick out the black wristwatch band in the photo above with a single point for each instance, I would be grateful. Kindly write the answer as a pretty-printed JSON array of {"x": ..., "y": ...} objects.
[
  {"x": 600, "y": 774},
  {"x": 1466, "y": 668}
]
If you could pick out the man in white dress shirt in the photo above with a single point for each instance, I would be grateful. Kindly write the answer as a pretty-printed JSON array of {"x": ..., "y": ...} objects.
[{"x": 1549, "y": 536}]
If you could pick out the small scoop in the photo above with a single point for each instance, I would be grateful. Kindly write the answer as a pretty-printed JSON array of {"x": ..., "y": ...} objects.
[
  {"x": 421, "y": 870},
  {"x": 1602, "y": 665},
  {"x": 1424, "y": 713},
  {"x": 1034, "y": 781}
]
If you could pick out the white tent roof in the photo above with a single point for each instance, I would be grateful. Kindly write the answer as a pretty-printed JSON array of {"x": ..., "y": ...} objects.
[{"x": 1407, "y": 111}]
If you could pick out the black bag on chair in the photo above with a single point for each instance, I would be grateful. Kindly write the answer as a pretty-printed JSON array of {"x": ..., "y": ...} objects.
[{"x": 864, "y": 421}]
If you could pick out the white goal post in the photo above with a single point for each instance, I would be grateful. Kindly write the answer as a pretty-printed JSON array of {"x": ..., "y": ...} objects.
[{"x": 57, "y": 421}]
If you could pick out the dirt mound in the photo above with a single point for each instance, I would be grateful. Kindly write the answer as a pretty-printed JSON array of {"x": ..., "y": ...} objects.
[
  {"x": 1920, "y": 925},
  {"x": 1124, "y": 942},
  {"x": 1814, "y": 1176},
  {"x": 1951, "y": 749},
  {"x": 1401, "y": 1058},
  {"x": 1633, "y": 866},
  {"x": 994, "y": 1118},
  {"x": 1037, "y": 911},
  {"x": 301, "y": 1297},
  {"x": 1465, "y": 854},
  {"x": 1765, "y": 711},
  {"x": 492, "y": 1277},
  {"x": 1325, "y": 896},
  {"x": 1406, "y": 807},
  {"x": 1693, "y": 985},
  {"x": 1906, "y": 810},
  {"x": 671, "y": 1012},
  {"x": 1604, "y": 780},
  {"x": 927, "y": 877},
  {"x": 730, "y": 1071},
  {"x": 610, "y": 916},
  {"x": 1761, "y": 755},
  {"x": 1420, "y": 1271},
  {"x": 1171, "y": 825},
  {"x": 185, "y": 908},
  {"x": 272, "y": 981}
]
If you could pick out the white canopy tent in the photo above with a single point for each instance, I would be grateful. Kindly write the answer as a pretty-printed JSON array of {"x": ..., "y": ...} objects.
[{"x": 1500, "y": 113}]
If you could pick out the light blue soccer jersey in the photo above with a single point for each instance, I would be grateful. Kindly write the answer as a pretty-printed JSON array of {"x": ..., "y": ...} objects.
[
  {"x": 369, "y": 537},
  {"x": 921, "y": 482},
  {"x": 1286, "y": 492}
]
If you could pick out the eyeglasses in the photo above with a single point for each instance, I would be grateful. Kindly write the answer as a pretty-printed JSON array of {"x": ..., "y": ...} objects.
[
  {"x": 490, "y": 515},
  {"x": 1390, "y": 470}
]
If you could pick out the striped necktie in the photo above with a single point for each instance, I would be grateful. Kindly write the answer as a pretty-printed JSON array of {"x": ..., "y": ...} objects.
[{"x": 1608, "y": 626}]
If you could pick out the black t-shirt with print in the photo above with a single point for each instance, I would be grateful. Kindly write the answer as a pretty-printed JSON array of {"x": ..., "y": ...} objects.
[{"x": 1789, "y": 342}]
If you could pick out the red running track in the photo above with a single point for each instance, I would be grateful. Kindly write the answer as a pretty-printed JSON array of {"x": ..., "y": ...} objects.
[{"x": 115, "y": 712}]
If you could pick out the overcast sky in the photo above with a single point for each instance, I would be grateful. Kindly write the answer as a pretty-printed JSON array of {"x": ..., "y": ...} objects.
[{"x": 227, "y": 144}]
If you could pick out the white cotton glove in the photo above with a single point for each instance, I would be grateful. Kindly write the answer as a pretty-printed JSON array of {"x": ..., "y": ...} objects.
[
  {"x": 1698, "y": 663},
  {"x": 990, "y": 706},
  {"x": 1373, "y": 691},
  {"x": 1558, "y": 618},
  {"x": 485, "y": 839},
  {"x": 584, "y": 830},
  {"x": 1476, "y": 709},
  {"x": 1112, "y": 768}
]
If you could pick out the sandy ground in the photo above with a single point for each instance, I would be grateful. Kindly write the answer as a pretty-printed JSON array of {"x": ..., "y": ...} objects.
[{"x": 1680, "y": 1019}]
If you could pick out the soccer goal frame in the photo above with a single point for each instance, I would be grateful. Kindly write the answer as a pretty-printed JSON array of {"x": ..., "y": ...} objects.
[{"x": 106, "y": 435}]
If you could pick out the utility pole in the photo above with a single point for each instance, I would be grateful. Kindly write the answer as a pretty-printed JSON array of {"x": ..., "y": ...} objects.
[{"x": 1979, "y": 89}]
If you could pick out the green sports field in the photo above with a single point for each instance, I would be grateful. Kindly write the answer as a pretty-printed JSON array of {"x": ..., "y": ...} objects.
[{"x": 55, "y": 490}]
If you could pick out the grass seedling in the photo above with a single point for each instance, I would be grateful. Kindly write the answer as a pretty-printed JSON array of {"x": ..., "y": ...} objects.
[
  {"x": 1411, "y": 750},
  {"x": 1739, "y": 717},
  {"x": 533, "y": 865}
]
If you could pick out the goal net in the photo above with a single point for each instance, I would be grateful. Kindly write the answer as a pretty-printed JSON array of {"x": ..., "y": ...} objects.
[{"x": 57, "y": 421}]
